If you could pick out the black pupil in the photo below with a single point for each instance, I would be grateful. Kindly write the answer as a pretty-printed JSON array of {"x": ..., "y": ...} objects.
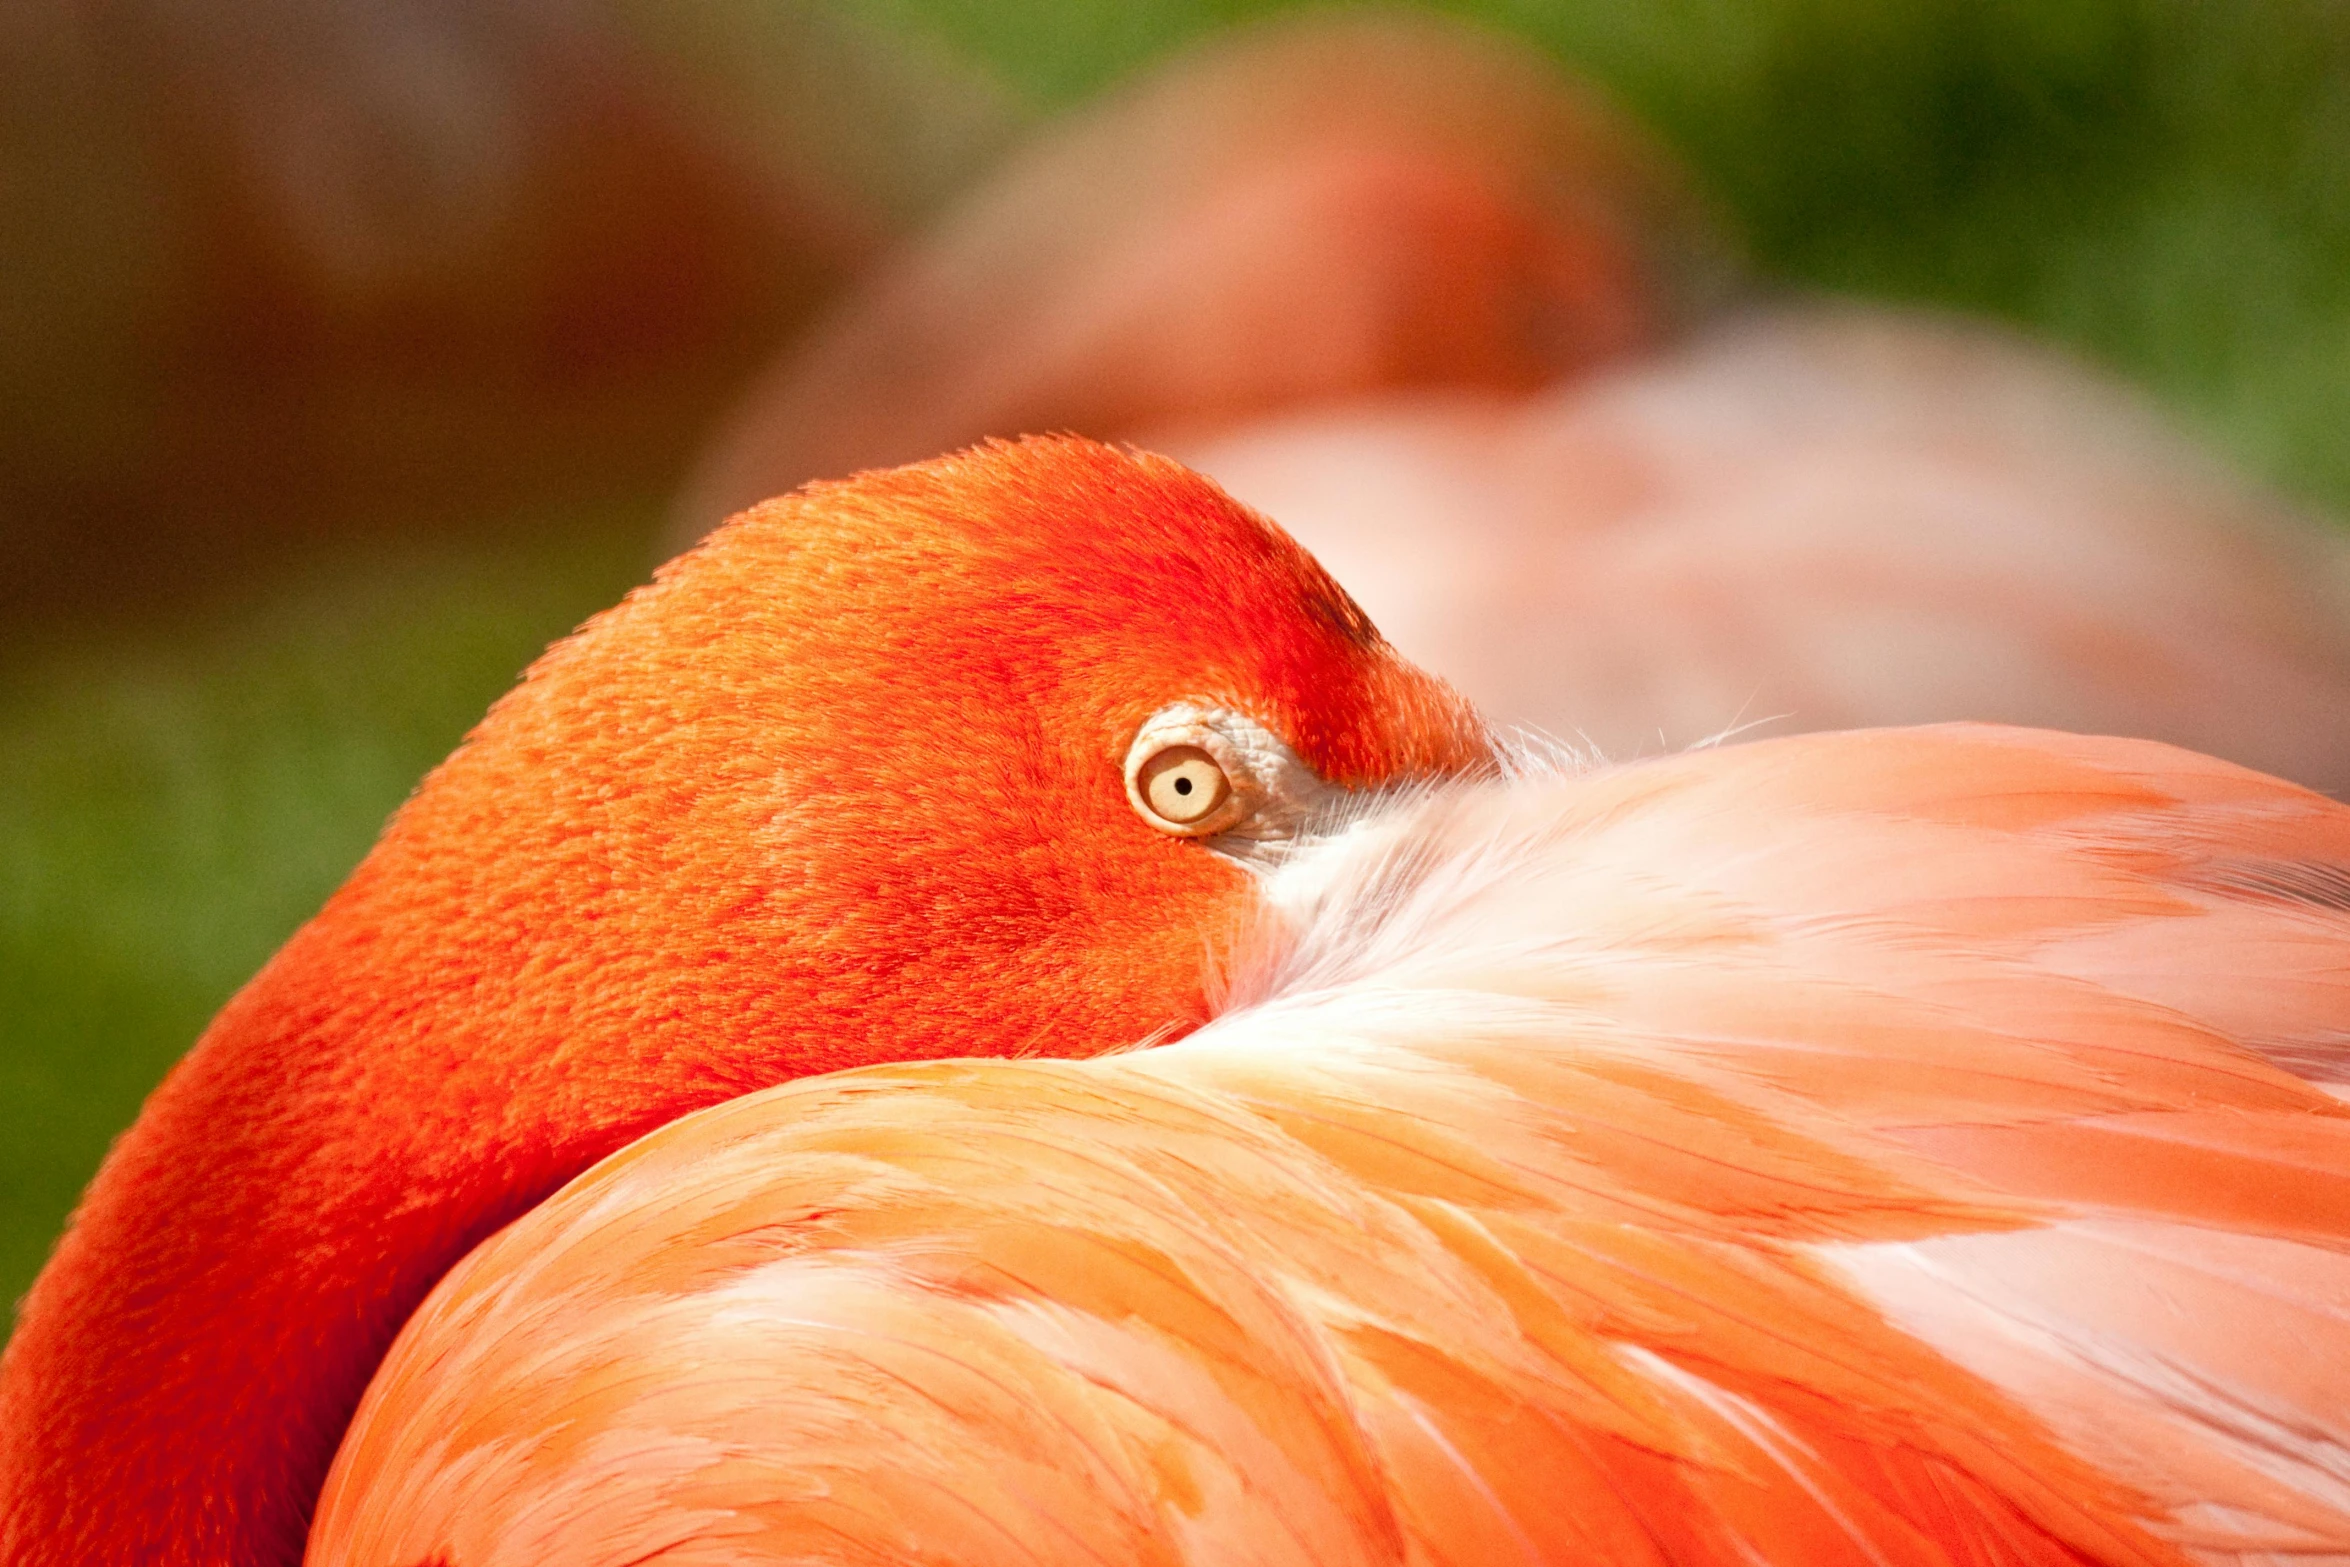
[{"x": 1183, "y": 786}]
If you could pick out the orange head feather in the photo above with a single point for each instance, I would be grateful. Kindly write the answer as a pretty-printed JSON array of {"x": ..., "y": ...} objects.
[{"x": 841, "y": 786}]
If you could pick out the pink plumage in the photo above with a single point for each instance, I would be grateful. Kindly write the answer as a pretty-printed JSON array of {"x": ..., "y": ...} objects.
[{"x": 1907, "y": 1147}]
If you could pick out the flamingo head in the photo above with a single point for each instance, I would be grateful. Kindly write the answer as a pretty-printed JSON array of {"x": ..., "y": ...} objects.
[{"x": 973, "y": 757}]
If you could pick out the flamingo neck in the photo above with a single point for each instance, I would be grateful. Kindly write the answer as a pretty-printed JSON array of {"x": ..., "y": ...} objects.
[{"x": 182, "y": 1373}]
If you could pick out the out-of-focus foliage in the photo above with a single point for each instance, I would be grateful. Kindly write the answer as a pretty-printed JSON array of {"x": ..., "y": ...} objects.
[
  {"x": 174, "y": 801},
  {"x": 2162, "y": 183}
]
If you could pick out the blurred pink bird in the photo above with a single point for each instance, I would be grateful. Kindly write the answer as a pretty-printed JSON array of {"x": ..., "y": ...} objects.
[
  {"x": 1306, "y": 212},
  {"x": 1824, "y": 517},
  {"x": 1464, "y": 333}
]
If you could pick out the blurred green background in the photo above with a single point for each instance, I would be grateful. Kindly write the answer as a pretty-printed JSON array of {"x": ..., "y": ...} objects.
[{"x": 187, "y": 770}]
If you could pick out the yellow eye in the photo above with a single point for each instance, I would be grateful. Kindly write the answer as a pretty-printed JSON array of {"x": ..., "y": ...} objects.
[{"x": 1181, "y": 784}]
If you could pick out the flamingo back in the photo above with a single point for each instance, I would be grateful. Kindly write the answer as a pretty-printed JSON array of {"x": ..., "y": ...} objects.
[{"x": 1900, "y": 1147}]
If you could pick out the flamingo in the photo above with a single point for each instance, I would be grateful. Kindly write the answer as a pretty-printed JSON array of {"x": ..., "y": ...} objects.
[
  {"x": 841, "y": 787},
  {"x": 1893, "y": 1147},
  {"x": 1306, "y": 212},
  {"x": 1911, "y": 1145},
  {"x": 905, "y": 768},
  {"x": 1484, "y": 352}
]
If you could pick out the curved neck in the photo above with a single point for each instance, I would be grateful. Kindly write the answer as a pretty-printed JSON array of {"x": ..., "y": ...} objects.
[
  {"x": 183, "y": 1370},
  {"x": 345, "y": 1132}
]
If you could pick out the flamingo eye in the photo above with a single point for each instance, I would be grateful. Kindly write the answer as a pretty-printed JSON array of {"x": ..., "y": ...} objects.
[
  {"x": 1180, "y": 785},
  {"x": 1207, "y": 772}
]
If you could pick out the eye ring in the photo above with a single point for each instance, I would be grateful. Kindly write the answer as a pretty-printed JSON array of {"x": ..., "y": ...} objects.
[
  {"x": 1250, "y": 797},
  {"x": 1186, "y": 779}
]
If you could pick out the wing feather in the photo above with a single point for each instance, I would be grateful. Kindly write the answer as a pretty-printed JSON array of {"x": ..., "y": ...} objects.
[{"x": 1891, "y": 1148}]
